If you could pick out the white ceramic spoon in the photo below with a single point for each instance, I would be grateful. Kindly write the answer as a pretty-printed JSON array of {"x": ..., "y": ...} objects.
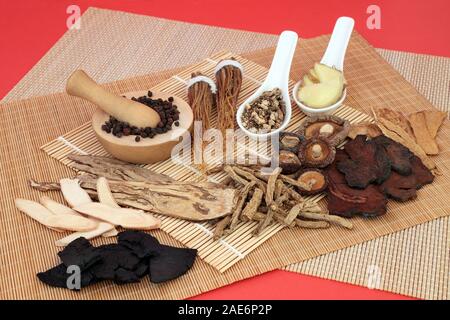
[
  {"x": 334, "y": 57},
  {"x": 278, "y": 77}
]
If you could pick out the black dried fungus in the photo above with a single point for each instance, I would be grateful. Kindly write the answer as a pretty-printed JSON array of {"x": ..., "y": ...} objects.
[
  {"x": 80, "y": 253},
  {"x": 58, "y": 276},
  {"x": 171, "y": 263},
  {"x": 136, "y": 255},
  {"x": 114, "y": 257},
  {"x": 168, "y": 112},
  {"x": 141, "y": 244}
]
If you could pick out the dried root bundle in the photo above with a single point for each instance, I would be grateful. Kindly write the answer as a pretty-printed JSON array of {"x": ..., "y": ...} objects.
[
  {"x": 229, "y": 82},
  {"x": 273, "y": 198},
  {"x": 201, "y": 100}
]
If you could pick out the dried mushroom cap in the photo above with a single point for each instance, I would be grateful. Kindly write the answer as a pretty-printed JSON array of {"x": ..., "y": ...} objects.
[
  {"x": 290, "y": 141},
  {"x": 333, "y": 128},
  {"x": 316, "y": 152},
  {"x": 288, "y": 162},
  {"x": 314, "y": 178}
]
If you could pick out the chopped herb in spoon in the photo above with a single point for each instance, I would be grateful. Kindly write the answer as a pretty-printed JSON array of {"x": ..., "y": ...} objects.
[{"x": 266, "y": 113}]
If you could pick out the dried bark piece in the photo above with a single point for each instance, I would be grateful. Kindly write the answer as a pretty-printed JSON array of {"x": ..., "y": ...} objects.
[
  {"x": 102, "y": 228},
  {"x": 423, "y": 136},
  {"x": 190, "y": 201},
  {"x": 44, "y": 186},
  {"x": 396, "y": 117},
  {"x": 127, "y": 218},
  {"x": 434, "y": 121},
  {"x": 44, "y": 216},
  {"x": 73, "y": 193},
  {"x": 114, "y": 169}
]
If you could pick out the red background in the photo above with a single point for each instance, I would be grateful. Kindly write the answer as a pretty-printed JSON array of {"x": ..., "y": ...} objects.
[{"x": 29, "y": 28}]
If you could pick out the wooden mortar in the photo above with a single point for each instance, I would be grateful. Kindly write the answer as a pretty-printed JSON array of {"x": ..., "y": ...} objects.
[{"x": 147, "y": 150}]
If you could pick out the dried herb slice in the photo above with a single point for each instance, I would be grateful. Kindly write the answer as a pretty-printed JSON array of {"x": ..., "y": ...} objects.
[
  {"x": 80, "y": 253},
  {"x": 141, "y": 244},
  {"x": 171, "y": 263},
  {"x": 58, "y": 276}
]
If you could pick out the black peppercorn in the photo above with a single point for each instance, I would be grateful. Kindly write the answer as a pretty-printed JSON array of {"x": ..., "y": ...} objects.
[{"x": 137, "y": 139}]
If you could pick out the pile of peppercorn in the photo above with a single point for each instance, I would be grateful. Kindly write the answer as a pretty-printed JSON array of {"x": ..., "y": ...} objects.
[{"x": 168, "y": 113}]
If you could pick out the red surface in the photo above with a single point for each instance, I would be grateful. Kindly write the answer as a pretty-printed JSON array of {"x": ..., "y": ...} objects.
[{"x": 28, "y": 28}]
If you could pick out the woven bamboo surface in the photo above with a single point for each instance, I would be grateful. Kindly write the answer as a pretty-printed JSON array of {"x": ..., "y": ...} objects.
[
  {"x": 224, "y": 253},
  {"x": 425, "y": 247}
]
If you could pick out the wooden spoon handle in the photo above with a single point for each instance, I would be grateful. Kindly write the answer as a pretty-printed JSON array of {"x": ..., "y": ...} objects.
[{"x": 81, "y": 85}]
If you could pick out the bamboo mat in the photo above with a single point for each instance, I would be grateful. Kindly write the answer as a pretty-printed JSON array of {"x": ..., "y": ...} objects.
[
  {"x": 229, "y": 250},
  {"x": 425, "y": 247}
]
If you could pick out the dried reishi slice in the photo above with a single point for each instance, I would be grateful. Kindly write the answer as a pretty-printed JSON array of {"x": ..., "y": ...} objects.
[
  {"x": 127, "y": 218},
  {"x": 316, "y": 153},
  {"x": 315, "y": 179},
  {"x": 288, "y": 162},
  {"x": 333, "y": 128},
  {"x": 73, "y": 193}
]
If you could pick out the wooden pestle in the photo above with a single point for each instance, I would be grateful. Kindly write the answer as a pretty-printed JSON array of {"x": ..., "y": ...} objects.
[{"x": 137, "y": 114}]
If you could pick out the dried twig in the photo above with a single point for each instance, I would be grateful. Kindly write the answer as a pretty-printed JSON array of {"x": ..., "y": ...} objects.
[
  {"x": 326, "y": 217},
  {"x": 253, "y": 205},
  {"x": 220, "y": 227}
]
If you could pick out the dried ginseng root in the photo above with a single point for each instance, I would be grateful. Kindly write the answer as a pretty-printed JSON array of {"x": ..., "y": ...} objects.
[
  {"x": 229, "y": 82},
  {"x": 201, "y": 92}
]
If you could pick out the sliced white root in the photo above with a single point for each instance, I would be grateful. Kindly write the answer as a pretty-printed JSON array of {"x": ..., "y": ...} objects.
[
  {"x": 44, "y": 216},
  {"x": 56, "y": 207},
  {"x": 105, "y": 196},
  {"x": 110, "y": 233},
  {"x": 104, "y": 193},
  {"x": 127, "y": 218},
  {"x": 73, "y": 193},
  {"x": 71, "y": 223},
  {"x": 102, "y": 228}
]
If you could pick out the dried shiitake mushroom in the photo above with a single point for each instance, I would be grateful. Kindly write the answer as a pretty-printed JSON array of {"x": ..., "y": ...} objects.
[
  {"x": 314, "y": 178},
  {"x": 316, "y": 152},
  {"x": 288, "y": 162},
  {"x": 333, "y": 128},
  {"x": 290, "y": 141}
]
